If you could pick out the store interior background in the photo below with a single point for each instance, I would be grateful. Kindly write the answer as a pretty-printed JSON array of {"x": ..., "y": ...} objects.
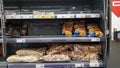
[{"x": 115, "y": 44}]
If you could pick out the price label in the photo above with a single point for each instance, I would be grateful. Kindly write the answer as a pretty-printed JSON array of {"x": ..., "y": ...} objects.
[
  {"x": 18, "y": 16},
  {"x": 40, "y": 66},
  {"x": 45, "y": 16},
  {"x": 21, "y": 40},
  {"x": 49, "y": 16},
  {"x": 10, "y": 16},
  {"x": 80, "y": 16},
  {"x": 65, "y": 15},
  {"x": 87, "y": 15},
  {"x": 23, "y": 16},
  {"x": 95, "y": 15},
  {"x": 79, "y": 65},
  {"x": 94, "y": 64},
  {"x": 26, "y": 16},
  {"x": 95, "y": 39}
]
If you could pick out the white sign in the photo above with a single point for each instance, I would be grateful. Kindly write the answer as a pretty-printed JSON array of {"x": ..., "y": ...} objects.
[
  {"x": 21, "y": 40},
  {"x": 116, "y": 3},
  {"x": 79, "y": 65},
  {"x": 94, "y": 63},
  {"x": 39, "y": 65}
]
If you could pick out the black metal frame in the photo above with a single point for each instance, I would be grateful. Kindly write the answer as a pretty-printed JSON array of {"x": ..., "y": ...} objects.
[
  {"x": 3, "y": 20},
  {"x": 106, "y": 19}
]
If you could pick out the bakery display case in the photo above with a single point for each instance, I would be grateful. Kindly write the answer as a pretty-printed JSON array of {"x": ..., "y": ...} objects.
[{"x": 54, "y": 34}]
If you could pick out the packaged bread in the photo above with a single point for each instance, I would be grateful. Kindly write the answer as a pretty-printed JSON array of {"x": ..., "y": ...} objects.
[
  {"x": 25, "y": 58},
  {"x": 29, "y": 58},
  {"x": 57, "y": 48},
  {"x": 82, "y": 31},
  {"x": 14, "y": 58},
  {"x": 98, "y": 32},
  {"x": 86, "y": 52},
  {"x": 67, "y": 28},
  {"x": 77, "y": 47},
  {"x": 94, "y": 56},
  {"x": 94, "y": 30},
  {"x": 28, "y": 52},
  {"x": 54, "y": 49},
  {"x": 95, "y": 48},
  {"x": 41, "y": 50},
  {"x": 56, "y": 57},
  {"x": 91, "y": 56},
  {"x": 77, "y": 55},
  {"x": 79, "y": 29},
  {"x": 66, "y": 53},
  {"x": 99, "y": 49}
]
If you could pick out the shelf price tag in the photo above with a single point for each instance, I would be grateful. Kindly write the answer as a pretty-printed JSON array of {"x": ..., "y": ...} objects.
[
  {"x": 88, "y": 15},
  {"x": 80, "y": 15},
  {"x": 19, "y": 17},
  {"x": 79, "y": 65},
  {"x": 21, "y": 40},
  {"x": 45, "y": 16},
  {"x": 23, "y": 16},
  {"x": 95, "y": 39},
  {"x": 94, "y": 63},
  {"x": 95, "y": 15},
  {"x": 40, "y": 66},
  {"x": 26, "y": 16},
  {"x": 65, "y": 15},
  {"x": 10, "y": 16}
]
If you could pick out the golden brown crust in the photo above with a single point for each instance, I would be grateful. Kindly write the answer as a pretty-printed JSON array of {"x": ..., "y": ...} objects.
[
  {"x": 27, "y": 58},
  {"x": 56, "y": 57}
]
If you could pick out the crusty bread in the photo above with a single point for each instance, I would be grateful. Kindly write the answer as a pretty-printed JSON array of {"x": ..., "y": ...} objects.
[
  {"x": 56, "y": 57},
  {"x": 25, "y": 58}
]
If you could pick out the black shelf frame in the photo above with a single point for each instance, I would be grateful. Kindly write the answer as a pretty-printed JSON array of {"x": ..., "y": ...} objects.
[
  {"x": 54, "y": 39},
  {"x": 106, "y": 39},
  {"x": 56, "y": 65},
  {"x": 3, "y": 30}
]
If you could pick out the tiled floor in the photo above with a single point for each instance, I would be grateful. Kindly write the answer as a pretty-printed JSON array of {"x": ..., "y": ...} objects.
[{"x": 115, "y": 55}]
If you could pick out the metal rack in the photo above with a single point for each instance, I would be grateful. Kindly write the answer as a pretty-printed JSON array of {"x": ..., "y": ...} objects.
[
  {"x": 53, "y": 65},
  {"x": 3, "y": 20},
  {"x": 21, "y": 12}
]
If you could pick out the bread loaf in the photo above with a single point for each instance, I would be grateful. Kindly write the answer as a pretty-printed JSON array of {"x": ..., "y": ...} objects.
[
  {"x": 14, "y": 58},
  {"x": 25, "y": 58},
  {"x": 56, "y": 57},
  {"x": 28, "y": 52},
  {"x": 56, "y": 49}
]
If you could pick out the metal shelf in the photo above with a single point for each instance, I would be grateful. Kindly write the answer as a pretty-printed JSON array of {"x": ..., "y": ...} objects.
[
  {"x": 57, "y": 65},
  {"x": 0, "y": 40},
  {"x": 54, "y": 39},
  {"x": 41, "y": 0},
  {"x": 53, "y": 16},
  {"x": 3, "y": 64}
]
